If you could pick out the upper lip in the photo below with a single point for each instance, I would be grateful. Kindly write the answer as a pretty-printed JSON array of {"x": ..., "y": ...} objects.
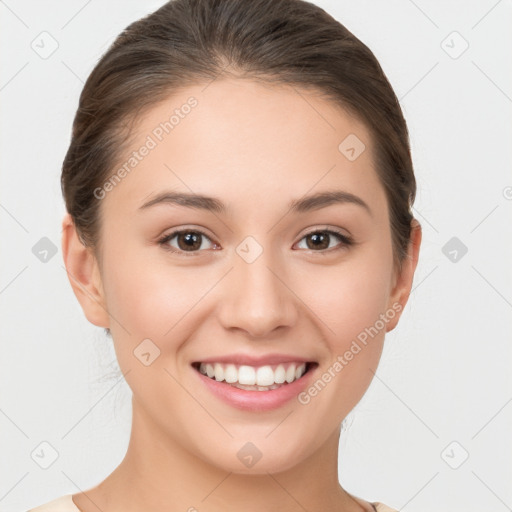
[{"x": 251, "y": 360}]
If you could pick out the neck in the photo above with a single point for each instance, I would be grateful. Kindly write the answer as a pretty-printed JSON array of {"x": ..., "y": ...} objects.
[{"x": 158, "y": 474}]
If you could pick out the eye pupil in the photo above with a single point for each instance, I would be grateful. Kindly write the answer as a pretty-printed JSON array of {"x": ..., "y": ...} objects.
[
  {"x": 190, "y": 239},
  {"x": 319, "y": 240}
]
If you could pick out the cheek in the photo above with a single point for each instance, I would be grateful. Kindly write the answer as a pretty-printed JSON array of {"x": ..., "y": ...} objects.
[
  {"x": 350, "y": 297},
  {"x": 350, "y": 302},
  {"x": 150, "y": 300},
  {"x": 154, "y": 301}
]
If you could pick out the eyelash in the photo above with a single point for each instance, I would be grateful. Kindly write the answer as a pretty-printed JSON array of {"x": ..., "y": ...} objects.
[{"x": 345, "y": 240}]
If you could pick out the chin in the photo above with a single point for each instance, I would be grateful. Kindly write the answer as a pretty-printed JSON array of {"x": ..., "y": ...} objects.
[{"x": 255, "y": 458}]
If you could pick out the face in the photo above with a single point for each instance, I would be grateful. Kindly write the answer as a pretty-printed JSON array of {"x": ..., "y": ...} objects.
[{"x": 287, "y": 268}]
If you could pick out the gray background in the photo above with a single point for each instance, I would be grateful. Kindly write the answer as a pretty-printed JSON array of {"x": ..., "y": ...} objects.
[{"x": 443, "y": 388}]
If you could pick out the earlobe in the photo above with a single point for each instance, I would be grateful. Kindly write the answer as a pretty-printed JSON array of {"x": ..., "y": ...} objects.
[
  {"x": 402, "y": 288},
  {"x": 83, "y": 274}
]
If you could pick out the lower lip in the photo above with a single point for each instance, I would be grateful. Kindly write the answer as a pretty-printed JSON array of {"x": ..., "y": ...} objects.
[{"x": 249, "y": 400}]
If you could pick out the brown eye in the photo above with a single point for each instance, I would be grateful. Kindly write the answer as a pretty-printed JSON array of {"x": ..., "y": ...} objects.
[
  {"x": 321, "y": 240},
  {"x": 318, "y": 241},
  {"x": 189, "y": 240}
]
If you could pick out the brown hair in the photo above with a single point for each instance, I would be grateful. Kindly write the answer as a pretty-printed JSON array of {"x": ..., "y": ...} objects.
[{"x": 187, "y": 42}]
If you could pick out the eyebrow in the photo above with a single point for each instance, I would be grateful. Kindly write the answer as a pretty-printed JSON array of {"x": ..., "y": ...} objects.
[{"x": 302, "y": 205}]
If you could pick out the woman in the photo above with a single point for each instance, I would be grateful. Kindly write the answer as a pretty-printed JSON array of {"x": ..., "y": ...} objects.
[{"x": 239, "y": 188}]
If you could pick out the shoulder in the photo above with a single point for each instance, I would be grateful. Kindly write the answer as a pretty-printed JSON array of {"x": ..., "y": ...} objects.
[
  {"x": 380, "y": 507},
  {"x": 62, "y": 504}
]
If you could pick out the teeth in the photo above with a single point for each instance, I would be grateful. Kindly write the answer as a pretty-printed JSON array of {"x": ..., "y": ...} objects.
[
  {"x": 246, "y": 375},
  {"x": 219, "y": 372},
  {"x": 280, "y": 374},
  {"x": 290, "y": 374},
  {"x": 231, "y": 374},
  {"x": 263, "y": 378},
  {"x": 257, "y": 388}
]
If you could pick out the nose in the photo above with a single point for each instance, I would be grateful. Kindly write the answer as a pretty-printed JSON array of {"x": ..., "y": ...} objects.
[{"x": 256, "y": 298}]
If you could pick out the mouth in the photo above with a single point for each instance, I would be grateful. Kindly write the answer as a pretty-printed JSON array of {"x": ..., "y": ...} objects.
[{"x": 262, "y": 378}]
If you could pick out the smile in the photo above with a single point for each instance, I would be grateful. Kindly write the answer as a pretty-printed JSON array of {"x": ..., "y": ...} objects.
[
  {"x": 256, "y": 386},
  {"x": 262, "y": 378}
]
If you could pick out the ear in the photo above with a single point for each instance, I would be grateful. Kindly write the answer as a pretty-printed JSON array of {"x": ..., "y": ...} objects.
[
  {"x": 84, "y": 275},
  {"x": 404, "y": 276}
]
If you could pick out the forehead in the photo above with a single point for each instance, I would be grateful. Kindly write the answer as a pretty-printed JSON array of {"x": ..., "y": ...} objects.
[{"x": 246, "y": 140}]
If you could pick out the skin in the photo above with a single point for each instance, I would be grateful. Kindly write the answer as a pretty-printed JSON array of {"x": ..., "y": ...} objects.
[{"x": 256, "y": 147}]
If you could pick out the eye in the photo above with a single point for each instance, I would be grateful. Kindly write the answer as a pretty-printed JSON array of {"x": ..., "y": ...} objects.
[
  {"x": 319, "y": 241},
  {"x": 187, "y": 240},
  {"x": 191, "y": 241}
]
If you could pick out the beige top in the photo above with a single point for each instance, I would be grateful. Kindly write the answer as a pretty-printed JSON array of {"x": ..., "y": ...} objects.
[{"x": 66, "y": 504}]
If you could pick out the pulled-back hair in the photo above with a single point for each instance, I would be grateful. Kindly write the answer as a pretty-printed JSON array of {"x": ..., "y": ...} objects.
[{"x": 186, "y": 42}]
